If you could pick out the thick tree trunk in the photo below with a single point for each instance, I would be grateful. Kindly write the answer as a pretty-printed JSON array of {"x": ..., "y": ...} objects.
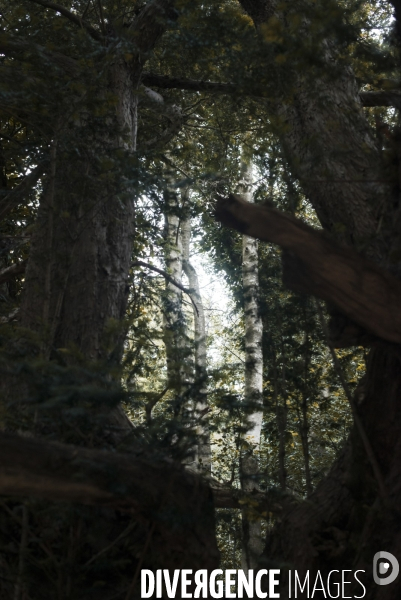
[
  {"x": 76, "y": 284},
  {"x": 326, "y": 137},
  {"x": 77, "y": 275},
  {"x": 331, "y": 150}
]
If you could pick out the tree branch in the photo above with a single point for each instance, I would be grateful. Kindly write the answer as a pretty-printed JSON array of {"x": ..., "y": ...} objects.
[
  {"x": 191, "y": 85},
  {"x": 147, "y": 489},
  {"x": 271, "y": 501},
  {"x": 69, "y": 15},
  {"x": 140, "y": 263},
  {"x": 368, "y": 99},
  {"x": 381, "y": 98},
  {"x": 316, "y": 265},
  {"x": 142, "y": 487},
  {"x": 10, "y": 45},
  {"x": 12, "y": 271},
  {"x": 11, "y": 200}
]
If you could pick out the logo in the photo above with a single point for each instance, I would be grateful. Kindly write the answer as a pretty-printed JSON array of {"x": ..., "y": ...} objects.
[{"x": 385, "y": 568}]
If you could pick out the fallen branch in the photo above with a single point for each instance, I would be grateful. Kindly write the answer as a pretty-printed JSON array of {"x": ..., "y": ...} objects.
[
  {"x": 316, "y": 265},
  {"x": 161, "y": 492}
]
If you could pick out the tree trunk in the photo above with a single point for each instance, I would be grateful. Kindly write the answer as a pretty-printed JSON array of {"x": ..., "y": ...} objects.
[
  {"x": 331, "y": 149},
  {"x": 249, "y": 466},
  {"x": 326, "y": 137},
  {"x": 77, "y": 275},
  {"x": 201, "y": 406},
  {"x": 174, "y": 320}
]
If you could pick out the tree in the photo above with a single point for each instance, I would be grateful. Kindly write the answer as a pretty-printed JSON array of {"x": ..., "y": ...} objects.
[{"x": 93, "y": 143}]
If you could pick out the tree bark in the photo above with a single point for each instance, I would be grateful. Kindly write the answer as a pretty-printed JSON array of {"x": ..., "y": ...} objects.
[
  {"x": 203, "y": 459},
  {"x": 326, "y": 138},
  {"x": 174, "y": 320},
  {"x": 253, "y": 394}
]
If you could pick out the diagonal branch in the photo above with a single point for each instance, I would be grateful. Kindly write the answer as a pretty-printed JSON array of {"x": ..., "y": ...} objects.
[
  {"x": 69, "y": 15},
  {"x": 146, "y": 488},
  {"x": 12, "y": 271},
  {"x": 161, "y": 492},
  {"x": 14, "y": 197},
  {"x": 11, "y": 45},
  {"x": 166, "y": 276},
  {"x": 316, "y": 265}
]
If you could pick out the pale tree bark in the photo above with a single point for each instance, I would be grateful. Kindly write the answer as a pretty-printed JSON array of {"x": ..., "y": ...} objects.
[
  {"x": 200, "y": 399},
  {"x": 249, "y": 467},
  {"x": 173, "y": 316}
]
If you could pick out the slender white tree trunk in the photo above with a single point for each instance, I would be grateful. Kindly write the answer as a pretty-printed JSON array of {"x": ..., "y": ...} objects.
[
  {"x": 252, "y": 543},
  {"x": 174, "y": 324},
  {"x": 202, "y": 450}
]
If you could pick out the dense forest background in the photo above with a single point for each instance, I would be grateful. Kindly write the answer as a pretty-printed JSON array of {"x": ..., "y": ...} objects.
[{"x": 166, "y": 400}]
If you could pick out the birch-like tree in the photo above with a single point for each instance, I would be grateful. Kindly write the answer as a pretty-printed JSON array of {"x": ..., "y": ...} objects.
[
  {"x": 200, "y": 382},
  {"x": 253, "y": 394}
]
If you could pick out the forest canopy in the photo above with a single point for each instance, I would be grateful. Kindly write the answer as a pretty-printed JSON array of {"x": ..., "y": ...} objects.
[{"x": 200, "y": 255}]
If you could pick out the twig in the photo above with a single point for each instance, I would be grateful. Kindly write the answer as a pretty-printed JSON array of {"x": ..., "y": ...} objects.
[
  {"x": 12, "y": 271},
  {"x": 126, "y": 531}
]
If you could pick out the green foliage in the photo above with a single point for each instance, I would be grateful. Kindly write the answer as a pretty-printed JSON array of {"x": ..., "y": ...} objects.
[{"x": 56, "y": 87}]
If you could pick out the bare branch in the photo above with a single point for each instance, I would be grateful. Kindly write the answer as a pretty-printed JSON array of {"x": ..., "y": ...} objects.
[
  {"x": 13, "y": 198},
  {"x": 168, "y": 277},
  {"x": 316, "y": 265},
  {"x": 152, "y": 403},
  {"x": 13, "y": 271},
  {"x": 69, "y": 15}
]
